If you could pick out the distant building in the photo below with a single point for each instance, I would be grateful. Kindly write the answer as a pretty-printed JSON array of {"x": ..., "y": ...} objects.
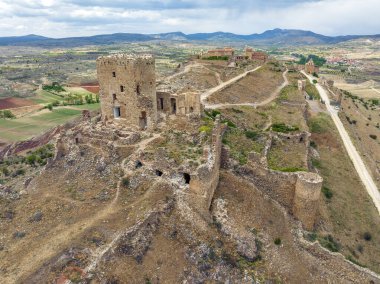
[
  {"x": 220, "y": 52},
  {"x": 310, "y": 67},
  {"x": 255, "y": 55}
]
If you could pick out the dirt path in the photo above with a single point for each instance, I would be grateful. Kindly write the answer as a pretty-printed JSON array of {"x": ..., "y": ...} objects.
[
  {"x": 185, "y": 70},
  {"x": 350, "y": 148},
  {"x": 221, "y": 86},
  {"x": 272, "y": 96},
  {"x": 33, "y": 259}
]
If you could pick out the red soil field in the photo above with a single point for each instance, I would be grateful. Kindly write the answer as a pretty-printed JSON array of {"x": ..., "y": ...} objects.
[
  {"x": 14, "y": 102},
  {"x": 92, "y": 89}
]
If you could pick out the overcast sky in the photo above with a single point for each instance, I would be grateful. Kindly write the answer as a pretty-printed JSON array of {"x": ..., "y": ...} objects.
[{"x": 63, "y": 18}]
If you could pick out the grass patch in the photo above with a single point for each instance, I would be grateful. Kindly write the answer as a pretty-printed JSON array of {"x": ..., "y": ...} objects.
[
  {"x": 241, "y": 145},
  {"x": 320, "y": 123},
  {"x": 284, "y": 128},
  {"x": 329, "y": 243}
]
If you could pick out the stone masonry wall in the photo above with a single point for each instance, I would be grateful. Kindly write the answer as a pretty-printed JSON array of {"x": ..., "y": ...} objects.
[
  {"x": 128, "y": 82},
  {"x": 205, "y": 181}
]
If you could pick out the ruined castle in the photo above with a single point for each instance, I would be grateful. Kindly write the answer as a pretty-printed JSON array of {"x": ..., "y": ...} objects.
[
  {"x": 128, "y": 95},
  {"x": 127, "y": 86}
]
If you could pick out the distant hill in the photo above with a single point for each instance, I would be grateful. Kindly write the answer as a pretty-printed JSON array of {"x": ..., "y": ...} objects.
[{"x": 271, "y": 37}]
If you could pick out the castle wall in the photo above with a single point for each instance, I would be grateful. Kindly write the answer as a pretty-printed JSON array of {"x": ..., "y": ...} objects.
[
  {"x": 203, "y": 184},
  {"x": 129, "y": 83},
  {"x": 189, "y": 103},
  {"x": 185, "y": 103},
  {"x": 306, "y": 198}
]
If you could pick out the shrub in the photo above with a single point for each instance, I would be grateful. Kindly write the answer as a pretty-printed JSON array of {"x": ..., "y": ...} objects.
[
  {"x": 313, "y": 144},
  {"x": 125, "y": 182},
  {"x": 277, "y": 241},
  {"x": 251, "y": 134},
  {"x": 329, "y": 243},
  {"x": 315, "y": 81},
  {"x": 205, "y": 128},
  {"x": 31, "y": 159},
  {"x": 367, "y": 236},
  {"x": 327, "y": 192},
  {"x": 50, "y": 107},
  {"x": 312, "y": 237},
  {"x": 5, "y": 171},
  {"x": 19, "y": 172},
  {"x": 283, "y": 128},
  {"x": 7, "y": 114}
]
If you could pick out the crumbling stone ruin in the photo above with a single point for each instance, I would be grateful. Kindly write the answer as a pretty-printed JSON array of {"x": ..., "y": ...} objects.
[
  {"x": 128, "y": 89},
  {"x": 299, "y": 192},
  {"x": 256, "y": 55},
  {"x": 128, "y": 92},
  {"x": 179, "y": 104},
  {"x": 301, "y": 85},
  {"x": 310, "y": 67}
]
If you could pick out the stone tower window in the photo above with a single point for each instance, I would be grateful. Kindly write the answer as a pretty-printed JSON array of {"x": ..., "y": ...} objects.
[
  {"x": 114, "y": 74},
  {"x": 114, "y": 97},
  {"x": 121, "y": 88},
  {"x": 138, "y": 89}
]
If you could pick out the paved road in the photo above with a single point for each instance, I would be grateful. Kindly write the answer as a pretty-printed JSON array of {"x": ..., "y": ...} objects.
[
  {"x": 264, "y": 102},
  {"x": 221, "y": 86},
  {"x": 351, "y": 150}
]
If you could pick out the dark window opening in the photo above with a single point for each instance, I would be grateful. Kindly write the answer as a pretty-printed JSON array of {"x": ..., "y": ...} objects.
[
  {"x": 173, "y": 104},
  {"x": 187, "y": 178},
  {"x": 114, "y": 97},
  {"x": 121, "y": 88},
  {"x": 138, "y": 89},
  {"x": 138, "y": 165},
  {"x": 162, "y": 103},
  {"x": 158, "y": 173},
  {"x": 114, "y": 74},
  {"x": 301, "y": 139},
  {"x": 76, "y": 140},
  {"x": 191, "y": 109},
  {"x": 143, "y": 120}
]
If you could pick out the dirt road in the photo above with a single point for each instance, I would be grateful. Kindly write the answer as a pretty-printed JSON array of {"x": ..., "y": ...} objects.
[
  {"x": 221, "y": 86},
  {"x": 351, "y": 150},
  {"x": 255, "y": 104}
]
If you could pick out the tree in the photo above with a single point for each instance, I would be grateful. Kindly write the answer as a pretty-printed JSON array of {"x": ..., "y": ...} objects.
[
  {"x": 50, "y": 107},
  {"x": 7, "y": 114}
]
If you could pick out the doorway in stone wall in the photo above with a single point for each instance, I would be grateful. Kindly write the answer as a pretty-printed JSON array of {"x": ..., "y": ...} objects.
[
  {"x": 173, "y": 105},
  {"x": 116, "y": 112},
  {"x": 143, "y": 120}
]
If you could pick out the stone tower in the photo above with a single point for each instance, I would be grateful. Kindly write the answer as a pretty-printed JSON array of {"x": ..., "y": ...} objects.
[{"x": 128, "y": 89}]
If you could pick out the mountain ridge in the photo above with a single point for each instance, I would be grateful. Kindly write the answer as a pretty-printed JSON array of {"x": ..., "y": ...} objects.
[{"x": 269, "y": 37}]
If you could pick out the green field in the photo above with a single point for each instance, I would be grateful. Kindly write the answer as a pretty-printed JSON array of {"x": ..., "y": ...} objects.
[
  {"x": 27, "y": 127},
  {"x": 44, "y": 97}
]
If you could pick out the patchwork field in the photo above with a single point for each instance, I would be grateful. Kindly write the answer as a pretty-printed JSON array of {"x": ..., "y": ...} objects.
[
  {"x": 25, "y": 127},
  {"x": 7, "y": 103}
]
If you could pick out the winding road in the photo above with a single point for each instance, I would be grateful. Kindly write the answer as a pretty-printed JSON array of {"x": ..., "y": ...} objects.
[{"x": 351, "y": 150}]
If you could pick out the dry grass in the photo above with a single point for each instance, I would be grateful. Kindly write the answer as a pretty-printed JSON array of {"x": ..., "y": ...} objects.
[
  {"x": 349, "y": 213},
  {"x": 255, "y": 87}
]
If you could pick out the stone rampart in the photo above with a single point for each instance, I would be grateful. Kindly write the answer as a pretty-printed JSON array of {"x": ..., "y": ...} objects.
[{"x": 206, "y": 179}]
